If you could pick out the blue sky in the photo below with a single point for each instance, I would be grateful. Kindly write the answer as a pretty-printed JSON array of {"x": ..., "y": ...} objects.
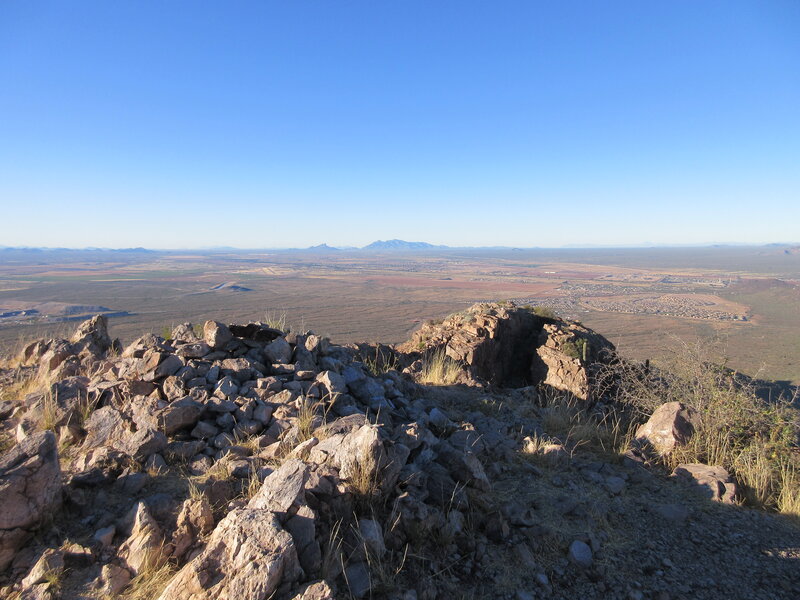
[{"x": 261, "y": 124}]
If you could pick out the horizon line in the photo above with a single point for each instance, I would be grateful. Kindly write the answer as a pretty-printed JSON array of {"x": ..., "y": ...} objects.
[{"x": 429, "y": 246}]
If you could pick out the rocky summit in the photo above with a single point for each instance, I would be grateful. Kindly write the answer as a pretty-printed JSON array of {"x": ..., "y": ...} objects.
[{"x": 244, "y": 462}]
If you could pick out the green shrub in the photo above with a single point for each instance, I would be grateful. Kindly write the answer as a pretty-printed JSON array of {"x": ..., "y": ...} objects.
[{"x": 544, "y": 311}]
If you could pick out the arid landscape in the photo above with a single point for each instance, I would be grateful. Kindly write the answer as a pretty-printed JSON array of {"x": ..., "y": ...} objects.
[
  {"x": 745, "y": 299},
  {"x": 399, "y": 300},
  {"x": 499, "y": 452}
]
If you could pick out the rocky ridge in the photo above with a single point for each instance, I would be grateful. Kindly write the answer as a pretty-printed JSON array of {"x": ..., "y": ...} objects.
[
  {"x": 243, "y": 462},
  {"x": 511, "y": 346}
]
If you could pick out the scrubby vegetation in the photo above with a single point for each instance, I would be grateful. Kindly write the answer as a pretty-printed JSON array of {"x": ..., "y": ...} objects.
[
  {"x": 542, "y": 311},
  {"x": 755, "y": 439}
]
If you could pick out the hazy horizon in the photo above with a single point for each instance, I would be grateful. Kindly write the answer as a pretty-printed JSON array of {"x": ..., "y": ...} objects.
[{"x": 433, "y": 246}]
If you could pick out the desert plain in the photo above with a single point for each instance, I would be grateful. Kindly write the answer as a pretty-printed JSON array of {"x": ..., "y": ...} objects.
[{"x": 742, "y": 301}]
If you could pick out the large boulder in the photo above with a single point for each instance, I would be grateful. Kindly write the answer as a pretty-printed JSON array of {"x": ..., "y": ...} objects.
[
  {"x": 559, "y": 362},
  {"x": 180, "y": 414},
  {"x": 670, "y": 426},
  {"x": 282, "y": 489},
  {"x": 278, "y": 351},
  {"x": 247, "y": 556},
  {"x": 216, "y": 334},
  {"x": 30, "y": 490}
]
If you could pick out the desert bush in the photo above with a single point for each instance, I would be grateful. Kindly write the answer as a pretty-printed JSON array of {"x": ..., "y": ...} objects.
[
  {"x": 276, "y": 320},
  {"x": 577, "y": 348},
  {"x": 381, "y": 363},
  {"x": 544, "y": 311},
  {"x": 565, "y": 420},
  {"x": 754, "y": 439}
]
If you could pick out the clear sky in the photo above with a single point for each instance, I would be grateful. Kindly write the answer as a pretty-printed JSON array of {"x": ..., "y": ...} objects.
[{"x": 274, "y": 124}]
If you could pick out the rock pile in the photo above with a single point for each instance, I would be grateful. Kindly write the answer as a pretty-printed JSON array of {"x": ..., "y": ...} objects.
[
  {"x": 242, "y": 462},
  {"x": 238, "y": 409}
]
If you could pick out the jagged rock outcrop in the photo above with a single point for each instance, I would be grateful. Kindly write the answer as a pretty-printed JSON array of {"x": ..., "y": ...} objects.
[
  {"x": 144, "y": 550},
  {"x": 60, "y": 358},
  {"x": 30, "y": 491},
  {"x": 243, "y": 398},
  {"x": 514, "y": 347},
  {"x": 249, "y": 555},
  {"x": 92, "y": 336}
]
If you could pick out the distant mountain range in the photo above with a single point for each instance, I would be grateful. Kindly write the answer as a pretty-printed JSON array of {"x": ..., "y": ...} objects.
[
  {"x": 378, "y": 246},
  {"x": 89, "y": 249},
  {"x": 384, "y": 246},
  {"x": 322, "y": 248},
  {"x": 400, "y": 245}
]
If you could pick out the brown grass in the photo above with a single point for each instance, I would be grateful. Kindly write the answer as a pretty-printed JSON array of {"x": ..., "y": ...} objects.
[
  {"x": 365, "y": 484},
  {"x": 151, "y": 580},
  {"x": 566, "y": 420},
  {"x": 439, "y": 369}
]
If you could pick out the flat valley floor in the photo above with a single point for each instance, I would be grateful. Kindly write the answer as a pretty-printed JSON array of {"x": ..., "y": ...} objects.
[{"x": 746, "y": 300}]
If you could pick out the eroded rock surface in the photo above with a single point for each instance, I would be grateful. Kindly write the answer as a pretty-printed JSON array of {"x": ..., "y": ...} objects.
[
  {"x": 513, "y": 347},
  {"x": 30, "y": 491}
]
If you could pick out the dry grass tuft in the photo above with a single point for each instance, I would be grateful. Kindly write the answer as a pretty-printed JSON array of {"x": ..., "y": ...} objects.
[
  {"x": 565, "y": 419},
  {"x": 195, "y": 493},
  {"x": 276, "y": 320},
  {"x": 219, "y": 470},
  {"x": 151, "y": 580},
  {"x": 332, "y": 554},
  {"x": 48, "y": 419},
  {"x": 6, "y": 441},
  {"x": 252, "y": 484},
  {"x": 789, "y": 496},
  {"x": 251, "y": 442},
  {"x": 25, "y": 382},
  {"x": 439, "y": 369},
  {"x": 365, "y": 484},
  {"x": 306, "y": 420}
]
